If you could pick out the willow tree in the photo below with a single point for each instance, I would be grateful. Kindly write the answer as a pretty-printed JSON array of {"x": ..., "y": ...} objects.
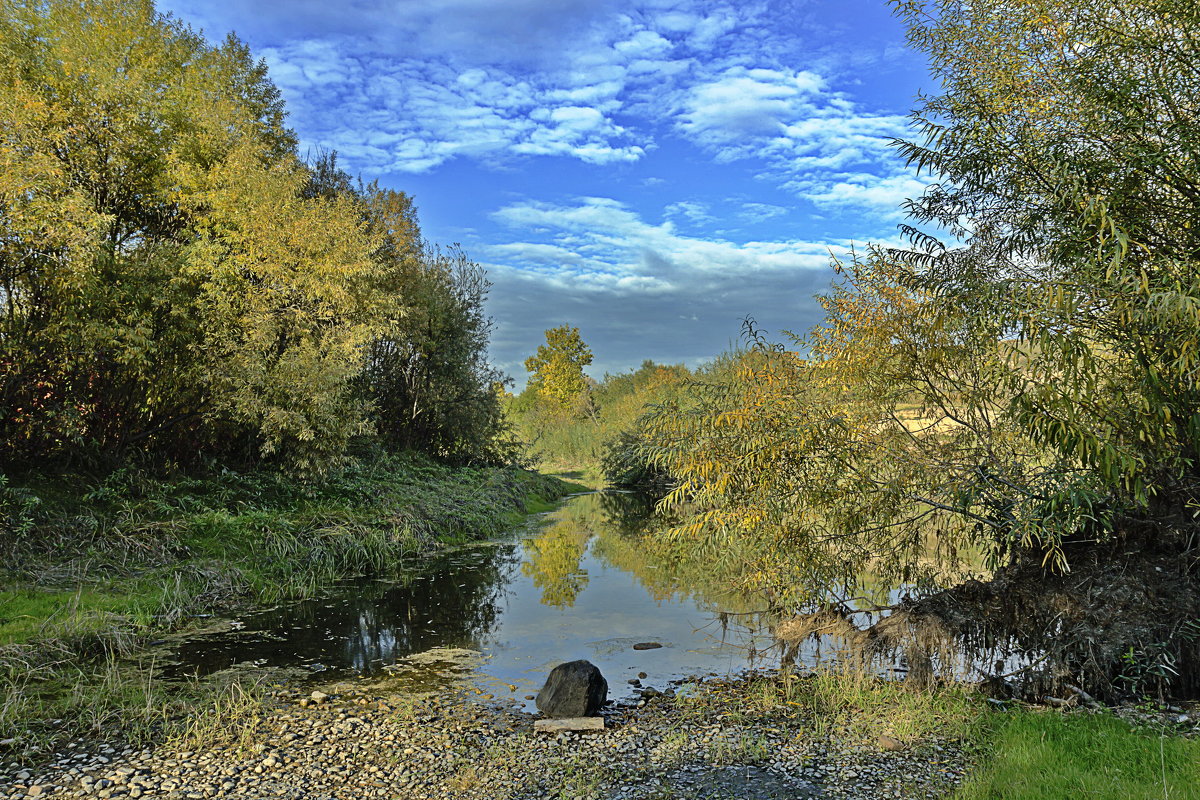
[
  {"x": 1046, "y": 355},
  {"x": 1023, "y": 378},
  {"x": 1067, "y": 143}
]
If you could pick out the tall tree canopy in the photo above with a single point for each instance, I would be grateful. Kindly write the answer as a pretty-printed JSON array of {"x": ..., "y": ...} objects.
[
  {"x": 557, "y": 368},
  {"x": 173, "y": 278}
]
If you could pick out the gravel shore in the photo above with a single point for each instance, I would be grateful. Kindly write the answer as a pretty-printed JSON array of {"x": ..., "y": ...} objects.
[{"x": 710, "y": 741}]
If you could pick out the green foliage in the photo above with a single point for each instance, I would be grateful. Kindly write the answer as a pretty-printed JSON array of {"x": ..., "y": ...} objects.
[
  {"x": 1068, "y": 132},
  {"x": 1151, "y": 669},
  {"x": 164, "y": 285},
  {"x": 565, "y": 440},
  {"x": 427, "y": 379},
  {"x": 18, "y": 509},
  {"x": 625, "y": 463},
  {"x": 176, "y": 284},
  {"x": 556, "y": 369},
  {"x": 1028, "y": 384}
]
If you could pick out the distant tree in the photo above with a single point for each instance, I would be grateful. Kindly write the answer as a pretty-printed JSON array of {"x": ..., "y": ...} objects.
[{"x": 557, "y": 369}]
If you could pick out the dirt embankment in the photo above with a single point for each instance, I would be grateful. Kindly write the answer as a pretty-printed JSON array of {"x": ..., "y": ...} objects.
[{"x": 1124, "y": 622}]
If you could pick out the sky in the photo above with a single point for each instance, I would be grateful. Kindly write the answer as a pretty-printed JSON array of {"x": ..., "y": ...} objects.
[{"x": 652, "y": 172}]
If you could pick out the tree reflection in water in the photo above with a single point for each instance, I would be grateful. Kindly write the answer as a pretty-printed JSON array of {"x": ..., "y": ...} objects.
[
  {"x": 362, "y": 627},
  {"x": 589, "y": 583},
  {"x": 552, "y": 561}
]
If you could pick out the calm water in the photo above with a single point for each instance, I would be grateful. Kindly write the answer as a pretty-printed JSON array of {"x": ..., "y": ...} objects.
[{"x": 501, "y": 614}]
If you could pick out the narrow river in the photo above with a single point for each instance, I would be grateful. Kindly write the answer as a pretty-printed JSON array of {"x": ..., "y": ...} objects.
[{"x": 575, "y": 583}]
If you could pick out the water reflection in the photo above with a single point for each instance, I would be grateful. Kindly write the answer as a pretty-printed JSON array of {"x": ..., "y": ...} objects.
[
  {"x": 364, "y": 626},
  {"x": 582, "y": 585},
  {"x": 553, "y": 560}
]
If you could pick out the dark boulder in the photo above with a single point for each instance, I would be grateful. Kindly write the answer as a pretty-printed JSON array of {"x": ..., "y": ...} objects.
[{"x": 573, "y": 689}]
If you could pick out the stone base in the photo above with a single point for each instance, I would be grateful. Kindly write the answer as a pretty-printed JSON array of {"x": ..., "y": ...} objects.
[{"x": 569, "y": 724}]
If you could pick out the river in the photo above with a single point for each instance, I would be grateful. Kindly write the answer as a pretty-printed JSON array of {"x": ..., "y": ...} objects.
[{"x": 577, "y": 582}]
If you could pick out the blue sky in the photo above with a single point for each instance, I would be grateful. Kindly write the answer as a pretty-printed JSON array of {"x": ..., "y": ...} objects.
[{"x": 651, "y": 171}]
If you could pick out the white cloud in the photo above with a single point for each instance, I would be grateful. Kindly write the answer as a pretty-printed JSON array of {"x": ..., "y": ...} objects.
[
  {"x": 807, "y": 136},
  {"x": 869, "y": 191},
  {"x": 760, "y": 212},
  {"x": 602, "y": 240},
  {"x": 409, "y": 86},
  {"x": 747, "y": 103},
  {"x": 695, "y": 212},
  {"x": 645, "y": 289}
]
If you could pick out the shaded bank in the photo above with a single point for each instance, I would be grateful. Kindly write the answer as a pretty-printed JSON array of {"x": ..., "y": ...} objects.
[{"x": 1124, "y": 623}]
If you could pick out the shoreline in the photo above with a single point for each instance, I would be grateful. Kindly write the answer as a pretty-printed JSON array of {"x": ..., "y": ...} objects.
[
  {"x": 162, "y": 559},
  {"x": 723, "y": 739}
]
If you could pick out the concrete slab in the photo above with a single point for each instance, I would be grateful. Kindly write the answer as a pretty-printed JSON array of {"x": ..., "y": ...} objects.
[{"x": 569, "y": 724}]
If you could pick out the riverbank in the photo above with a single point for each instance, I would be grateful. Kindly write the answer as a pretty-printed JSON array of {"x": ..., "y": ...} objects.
[
  {"x": 93, "y": 571},
  {"x": 762, "y": 738}
]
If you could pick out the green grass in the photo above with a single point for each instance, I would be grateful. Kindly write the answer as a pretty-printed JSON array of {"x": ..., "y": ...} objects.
[
  {"x": 1049, "y": 755},
  {"x": 867, "y": 707},
  {"x": 96, "y": 568},
  {"x": 150, "y": 550},
  {"x": 29, "y": 614}
]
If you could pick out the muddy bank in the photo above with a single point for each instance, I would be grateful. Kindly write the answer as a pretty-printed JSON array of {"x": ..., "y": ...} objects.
[{"x": 1124, "y": 623}]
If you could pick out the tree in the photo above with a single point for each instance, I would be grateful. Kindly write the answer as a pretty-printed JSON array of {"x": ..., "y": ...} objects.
[
  {"x": 175, "y": 282},
  {"x": 165, "y": 285},
  {"x": 557, "y": 369},
  {"x": 1068, "y": 137},
  {"x": 425, "y": 379},
  {"x": 1027, "y": 386}
]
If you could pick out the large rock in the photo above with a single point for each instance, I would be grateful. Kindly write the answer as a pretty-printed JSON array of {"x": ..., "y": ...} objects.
[{"x": 573, "y": 689}]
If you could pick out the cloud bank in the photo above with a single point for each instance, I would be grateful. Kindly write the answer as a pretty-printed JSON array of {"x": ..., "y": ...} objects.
[{"x": 407, "y": 87}]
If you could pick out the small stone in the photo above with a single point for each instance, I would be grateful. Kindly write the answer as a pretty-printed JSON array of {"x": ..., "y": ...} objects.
[
  {"x": 318, "y": 697},
  {"x": 34, "y": 791},
  {"x": 890, "y": 743},
  {"x": 647, "y": 646}
]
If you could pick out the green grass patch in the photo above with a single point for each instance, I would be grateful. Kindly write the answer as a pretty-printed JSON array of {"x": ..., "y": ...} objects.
[
  {"x": 867, "y": 707},
  {"x": 27, "y": 614},
  {"x": 1049, "y": 755},
  {"x": 148, "y": 549}
]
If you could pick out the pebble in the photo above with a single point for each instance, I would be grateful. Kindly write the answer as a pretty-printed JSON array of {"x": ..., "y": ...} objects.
[{"x": 453, "y": 747}]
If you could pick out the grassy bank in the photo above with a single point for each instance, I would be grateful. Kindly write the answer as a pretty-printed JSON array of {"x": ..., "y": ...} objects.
[
  {"x": 93, "y": 569},
  {"x": 1045, "y": 755}
]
